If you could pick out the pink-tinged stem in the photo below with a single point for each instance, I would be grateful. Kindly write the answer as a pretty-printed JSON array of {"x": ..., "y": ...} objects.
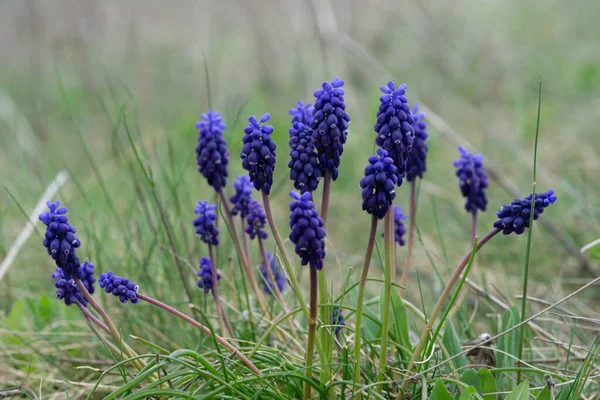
[
  {"x": 312, "y": 331},
  {"x": 242, "y": 256},
  {"x": 92, "y": 318},
  {"x": 244, "y": 238},
  {"x": 203, "y": 328},
  {"x": 440, "y": 303},
  {"x": 223, "y": 320},
  {"x": 411, "y": 231}
]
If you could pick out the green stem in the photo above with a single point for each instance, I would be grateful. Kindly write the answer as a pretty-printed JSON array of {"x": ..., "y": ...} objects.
[
  {"x": 529, "y": 233},
  {"x": 440, "y": 304},
  {"x": 312, "y": 330},
  {"x": 223, "y": 321},
  {"x": 387, "y": 288},
  {"x": 359, "y": 304},
  {"x": 325, "y": 310},
  {"x": 271, "y": 276},
  {"x": 284, "y": 255},
  {"x": 411, "y": 231},
  {"x": 197, "y": 324}
]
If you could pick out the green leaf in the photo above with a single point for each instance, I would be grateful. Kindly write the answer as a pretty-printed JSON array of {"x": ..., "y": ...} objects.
[
  {"x": 440, "y": 392},
  {"x": 468, "y": 393},
  {"x": 15, "y": 319},
  {"x": 45, "y": 310},
  {"x": 399, "y": 321},
  {"x": 453, "y": 345},
  {"x": 521, "y": 392},
  {"x": 487, "y": 384},
  {"x": 544, "y": 394},
  {"x": 471, "y": 378},
  {"x": 565, "y": 392}
]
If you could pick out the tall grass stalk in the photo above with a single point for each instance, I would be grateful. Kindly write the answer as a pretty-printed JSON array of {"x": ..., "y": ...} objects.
[
  {"x": 359, "y": 303},
  {"x": 529, "y": 233}
]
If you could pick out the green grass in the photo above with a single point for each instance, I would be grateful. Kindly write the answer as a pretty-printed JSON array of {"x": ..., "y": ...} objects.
[{"x": 122, "y": 124}]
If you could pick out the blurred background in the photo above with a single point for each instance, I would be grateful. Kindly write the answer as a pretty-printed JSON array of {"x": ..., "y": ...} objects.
[{"x": 76, "y": 76}]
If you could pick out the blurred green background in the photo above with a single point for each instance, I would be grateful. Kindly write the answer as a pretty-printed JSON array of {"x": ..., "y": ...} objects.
[{"x": 75, "y": 75}]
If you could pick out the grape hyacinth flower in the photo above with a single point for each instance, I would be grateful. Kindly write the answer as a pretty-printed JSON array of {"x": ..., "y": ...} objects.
[
  {"x": 307, "y": 232},
  {"x": 416, "y": 163},
  {"x": 399, "y": 229},
  {"x": 337, "y": 318},
  {"x": 258, "y": 153},
  {"x": 394, "y": 126},
  {"x": 86, "y": 273},
  {"x": 302, "y": 113},
  {"x": 473, "y": 180},
  {"x": 60, "y": 239},
  {"x": 242, "y": 196},
  {"x": 205, "y": 274},
  {"x": 256, "y": 220},
  {"x": 205, "y": 223},
  {"x": 277, "y": 274},
  {"x": 514, "y": 217},
  {"x": 212, "y": 154},
  {"x": 379, "y": 184},
  {"x": 305, "y": 170},
  {"x": 330, "y": 125},
  {"x": 121, "y": 287},
  {"x": 66, "y": 289}
]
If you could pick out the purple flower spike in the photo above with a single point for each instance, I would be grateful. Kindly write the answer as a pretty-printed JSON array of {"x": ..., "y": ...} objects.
[
  {"x": 330, "y": 125},
  {"x": 394, "y": 126},
  {"x": 258, "y": 153},
  {"x": 242, "y": 197},
  {"x": 66, "y": 289},
  {"x": 120, "y": 287},
  {"x": 302, "y": 113},
  {"x": 472, "y": 179},
  {"x": 514, "y": 217},
  {"x": 305, "y": 170},
  {"x": 86, "y": 273},
  {"x": 277, "y": 274},
  {"x": 205, "y": 223},
  {"x": 205, "y": 274},
  {"x": 337, "y": 318},
  {"x": 416, "y": 163},
  {"x": 379, "y": 184},
  {"x": 212, "y": 154},
  {"x": 60, "y": 239},
  {"x": 257, "y": 220},
  {"x": 307, "y": 232}
]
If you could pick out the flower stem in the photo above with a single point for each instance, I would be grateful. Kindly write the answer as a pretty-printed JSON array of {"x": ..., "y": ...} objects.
[
  {"x": 139, "y": 363},
  {"x": 243, "y": 259},
  {"x": 223, "y": 320},
  {"x": 244, "y": 239},
  {"x": 325, "y": 310},
  {"x": 312, "y": 330},
  {"x": 360, "y": 301},
  {"x": 387, "y": 288},
  {"x": 197, "y": 324},
  {"x": 411, "y": 231},
  {"x": 474, "y": 228},
  {"x": 440, "y": 303},
  {"x": 284, "y": 255},
  {"x": 92, "y": 318},
  {"x": 273, "y": 283}
]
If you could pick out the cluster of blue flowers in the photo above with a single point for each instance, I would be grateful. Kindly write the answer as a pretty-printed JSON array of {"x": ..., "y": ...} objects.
[
  {"x": 205, "y": 223},
  {"x": 416, "y": 163},
  {"x": 305, "y": 170},
  {"x": 337, "y": 318},
  {"x": 258, "y": 153},
  {"x": 399, "y": 229},
  {"x": 242, "y": 196},
  {"x": 60, "y": 239},
  {"x": 205, "y": 274},
  {"x": 277, "y": 274},
  {"x": 67, "y": 290},
  {"x": 212, "y": 155},
  {"x": 394, "y": 126},
  {"x": 118, "y": 286},
  {"x": 379, "y": 184},
  {"x": 308, "y": 233},
  {"x": 515, "y": 217},
  {"x": 256, "y": 221},
  {"x": 330, "y": 125},
  {"x": 473, "y": 180}
]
